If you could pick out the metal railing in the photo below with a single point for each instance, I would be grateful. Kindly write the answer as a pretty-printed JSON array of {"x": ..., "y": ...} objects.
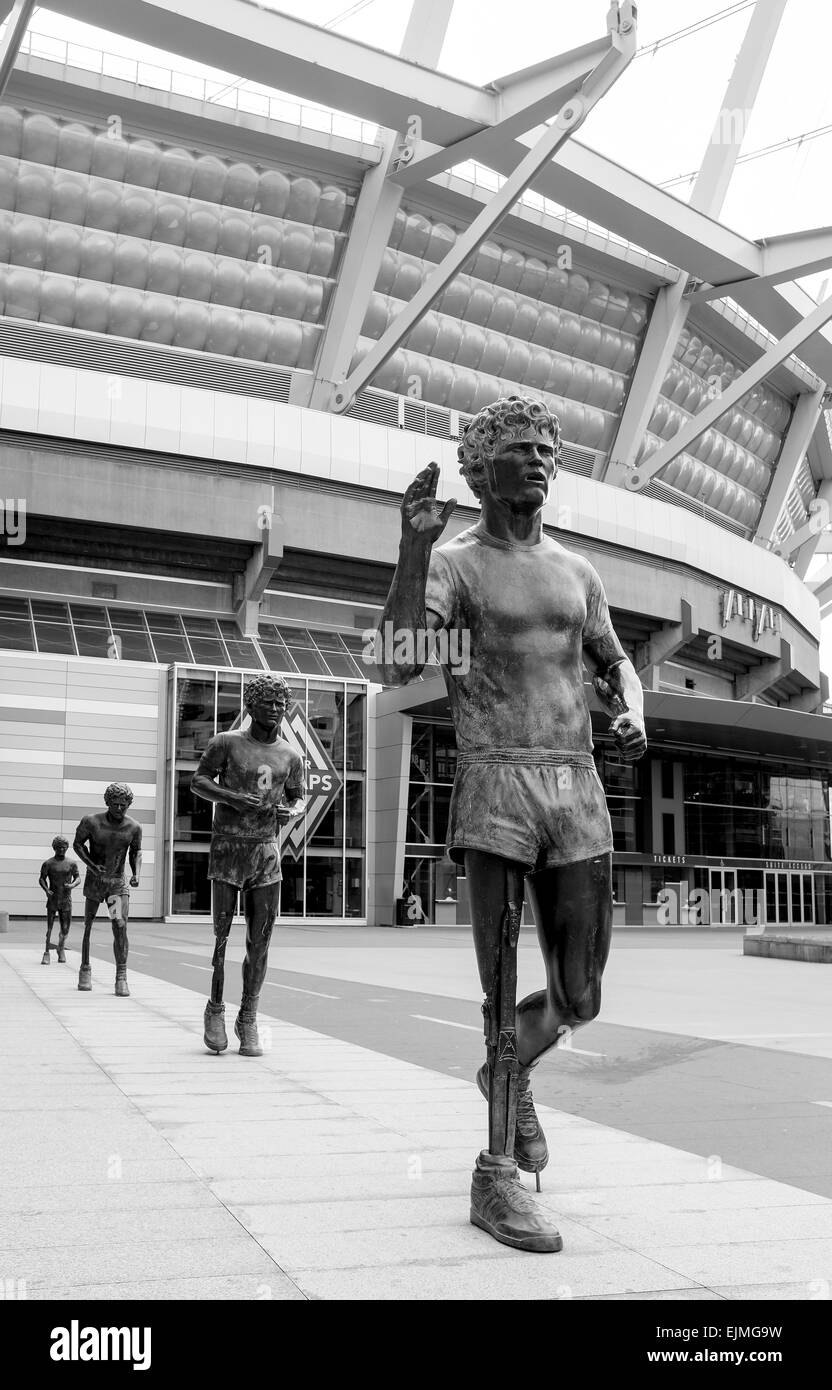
[
  {"x": 233, "y": 93},
  {"x": 238, "y": 94}
]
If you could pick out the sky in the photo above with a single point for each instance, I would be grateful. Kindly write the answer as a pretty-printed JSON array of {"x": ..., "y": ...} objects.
[{"x": 659, "y": 117}]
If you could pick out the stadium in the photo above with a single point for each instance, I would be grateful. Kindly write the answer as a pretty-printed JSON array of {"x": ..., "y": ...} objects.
[{"x": 203, "y": 464}]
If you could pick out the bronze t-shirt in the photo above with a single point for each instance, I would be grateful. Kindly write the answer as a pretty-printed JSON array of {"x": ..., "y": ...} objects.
[
  {"x": 242, "y": 764},
  {"x": 527, "y": 611}
]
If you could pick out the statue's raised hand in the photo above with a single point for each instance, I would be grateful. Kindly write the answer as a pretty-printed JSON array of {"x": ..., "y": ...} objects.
[{"x": 423, "y": 518}]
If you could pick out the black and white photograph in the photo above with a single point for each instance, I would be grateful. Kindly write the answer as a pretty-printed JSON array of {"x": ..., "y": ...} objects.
[{"x": 415, "y": 640}]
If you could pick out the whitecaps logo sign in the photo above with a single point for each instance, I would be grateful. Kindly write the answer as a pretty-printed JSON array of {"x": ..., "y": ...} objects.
[{"x": 322, "y": 781}]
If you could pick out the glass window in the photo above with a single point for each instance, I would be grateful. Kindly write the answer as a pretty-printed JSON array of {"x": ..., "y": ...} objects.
[
  {"x": 419, "y": 812},
  {"x": 355, "y": 644},
  {"x": 303, "y": 651},
  {"x": 205, "y": 640},
  {"x": 92, "y": 631},
  {"x": 355, "y": 887},
  {"x": 356, "y": 706},
  {"x": 354, "y": 828},
  {"x": 324, "y": 886},
  {"x": 291, "y": 888},
  {"x": 241, "y": 650},
  {"x": 52, "y": 627},
  {"x": 419, "y": 878},
  {"x": 335, "y": 654},
  {"x": 330, "y": 828},
  {"x": 619, "y": 778},
  {"x": 326, "y": 716},
  {"x": 444, "y": 753},
  {"x": 194, "y": 716},
  {"x": 192, "y": 815},
  {"x": 191, "y": 885},
  {"x": 168, "y": 638},
  {"x": 274, "y": 649},
  {"x": 229, "y": 697},
  {"x": 623, "y": 821},
  {"x": 132, "y": 640},
  {"x": 421, "y": 753},
  {"x": 15, "y": 625},
  {"x": 667, "y": 779}
]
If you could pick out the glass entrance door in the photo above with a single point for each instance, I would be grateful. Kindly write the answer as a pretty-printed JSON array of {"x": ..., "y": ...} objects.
[
  {"x": 723, "y": 897},
  {"x": 790, "y": 898}
]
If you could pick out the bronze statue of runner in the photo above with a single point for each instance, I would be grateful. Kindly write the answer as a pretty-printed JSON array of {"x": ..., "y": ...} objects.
[
  {"x": 104, "y": 841},
  {"x": 528, "y": 811},
  {"x": 260, "y": 788},
  {"x": 58, "y": 877}
]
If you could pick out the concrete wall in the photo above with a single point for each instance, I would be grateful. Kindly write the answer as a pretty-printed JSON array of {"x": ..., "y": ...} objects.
[
  {"x": 388, "y": 775},
  {"x": 68, "y": 727},
  {"x": 87, "y": 405}
]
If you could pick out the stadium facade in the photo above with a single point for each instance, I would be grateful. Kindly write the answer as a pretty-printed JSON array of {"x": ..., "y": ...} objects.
[{"x": 183, "y": 281}]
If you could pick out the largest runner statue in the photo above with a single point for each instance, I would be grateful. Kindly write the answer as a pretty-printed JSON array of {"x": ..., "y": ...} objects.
[{"x": 528, "y": 812}]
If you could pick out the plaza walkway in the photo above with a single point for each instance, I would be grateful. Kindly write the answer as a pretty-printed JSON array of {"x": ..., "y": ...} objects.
[{"x": 135, "y": 1165}]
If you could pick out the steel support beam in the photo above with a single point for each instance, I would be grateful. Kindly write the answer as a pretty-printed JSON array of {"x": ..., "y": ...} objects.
[
  {"x": 739, "y": 387},
  {"x": 519, "y": 109},
  {"x": 821, "y": 587},
  {"x": 782, "y": 258},
  {"x": 764, "y": 676},
  {"x": 671, "y": 308},
  {"x": 667, "y": 319},
  {"x": 250, "y": 587},
  {"x": 619, "y": 53},
  {"x": 802, "y": 425},
  {"x": 816, "y": 543},
  {"x": 811, "y": 532},
  {"x": 665, "y": 644},
  {"x": 369, "y": 235},
  {"x": 318, "y": 65},
  {"x": 727, "y": 136},
  {"x": 424, "y": 36},
  {"x": 18, "y": 23}
]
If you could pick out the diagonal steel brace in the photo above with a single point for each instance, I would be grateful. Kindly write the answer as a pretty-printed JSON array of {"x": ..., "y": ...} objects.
[{"x": 621, "y": 24}]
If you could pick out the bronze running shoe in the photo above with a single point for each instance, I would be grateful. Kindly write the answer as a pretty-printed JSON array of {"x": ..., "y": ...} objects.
[
  {"x": 215, "y": 1036},
  {"x": 501, "y": 1206},
  {"x": 245, "y": 1028},
  {"x": 121, "y": 982},
  {"x": 85, "y": 977},
  {"x": 530, "y": 1148}
]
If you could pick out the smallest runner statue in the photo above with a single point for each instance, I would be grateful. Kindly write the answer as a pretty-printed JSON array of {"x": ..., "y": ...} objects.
[
  {"x": 104, "y": 841},
  {"x": 58, "y": 877}
]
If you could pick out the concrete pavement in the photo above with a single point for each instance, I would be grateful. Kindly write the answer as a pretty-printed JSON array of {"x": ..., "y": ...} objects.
[{"x": 136, "y": 1165}]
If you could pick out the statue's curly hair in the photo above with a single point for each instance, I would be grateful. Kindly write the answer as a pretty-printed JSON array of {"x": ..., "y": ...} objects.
[
  {"x": 259, "y": 686},
  {"x": 494, "y": 426},
  {"x": 60, "y": 840},
  {"x": 118, "y": 789}
]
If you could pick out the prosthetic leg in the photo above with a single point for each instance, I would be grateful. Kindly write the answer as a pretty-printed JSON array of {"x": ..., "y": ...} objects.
[
  {"x": 224, "y": 904},
  {"x": 500, "y": 1035},
  {"x": 85, "y": 974},
  {"x": 500, "y": 1204}
]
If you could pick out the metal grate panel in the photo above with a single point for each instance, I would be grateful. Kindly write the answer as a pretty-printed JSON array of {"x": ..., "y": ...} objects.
[{"x": 99, "y": 352}]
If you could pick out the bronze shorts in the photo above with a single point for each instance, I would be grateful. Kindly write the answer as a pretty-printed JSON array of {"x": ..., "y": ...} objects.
[
  {"x": 245, "y": 863},
  {"x": 540, "y": 807}
]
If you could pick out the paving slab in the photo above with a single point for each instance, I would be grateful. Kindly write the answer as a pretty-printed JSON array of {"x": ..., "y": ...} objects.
[{"x": 326, "y": 1170}]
